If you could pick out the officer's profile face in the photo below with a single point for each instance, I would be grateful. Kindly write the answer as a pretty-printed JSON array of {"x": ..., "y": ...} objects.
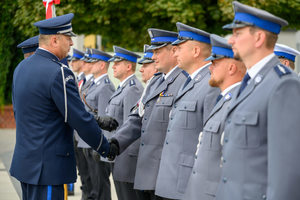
[
  {"x": 120, "y": 69},
  {"x": 243, "y": 43},
  {"x": 164, "y": 58},
  {"x": 97, "y": 67},
  {"x": 65, "y": 42},
  {"x": 87, "y": 67},
  {"x": 147, "y": 70},
  {"x": 76, "y": 65},
  {"x": 217, "y": 72},
  {"x": 184, "y": 54}
]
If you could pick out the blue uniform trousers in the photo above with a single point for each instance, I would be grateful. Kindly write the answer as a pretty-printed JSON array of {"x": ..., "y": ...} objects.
[{"x": 42, "y": 192}]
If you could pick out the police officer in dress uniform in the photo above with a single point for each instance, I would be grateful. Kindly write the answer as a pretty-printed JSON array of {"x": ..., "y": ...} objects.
[
  {"x": 47, "y": 108},
  {"x": 226, "y": 74},
  {"x": 151, "y": 124},
  {"x": 148, "y": 66},
  {"x": 286, "y": 55},
  {"x": 29, "y": 46},
  {"x": 260, "y": 151},
  {"x": 88, "y": 76},
  {"x": 86, "y": 184},
  {"x": 120, "y": 103},
  {"x": 191, "y": 107},
  {"x": 96, "y": 100},
  {"x": 77, "y": 65}
]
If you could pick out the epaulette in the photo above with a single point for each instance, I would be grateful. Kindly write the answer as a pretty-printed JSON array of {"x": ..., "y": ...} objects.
[
  {"x": 106, "y": 80},
  {"x": 157, "y": 73},
  {"x": 282, "y": 70},
  {"x": 185, "y": 73},
  {"x": 131, "y": 82}
]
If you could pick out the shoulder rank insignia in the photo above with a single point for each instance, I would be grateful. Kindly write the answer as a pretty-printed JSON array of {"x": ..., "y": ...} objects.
[
  {"x": 282, "y": 70},
  {"x": 132, "y": 82}
]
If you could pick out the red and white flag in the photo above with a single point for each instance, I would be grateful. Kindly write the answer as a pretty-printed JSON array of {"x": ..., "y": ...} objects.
[{"x": 50, "y": 8}]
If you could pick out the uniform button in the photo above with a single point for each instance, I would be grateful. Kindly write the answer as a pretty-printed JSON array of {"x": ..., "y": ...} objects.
[
  {"x": 226, "y": 139},
  {"x": 168, "y": 130},
  {"x": 184, "y": 107},
  {"x": 228, "y": 121},
  {"x": 224, "y": 179},
  {"x": 194, "y": 172},
  {"x": 167, "y": 142},
  {"x": 68, "y": 154},
  {"x": 145, "y": 118},
  {"x": 210, "y": 128},
  {"x": 264, "y": 196},
  {"x": 171, "y": 118},
  {"x": 147, "y": 105},
  {"x": 243, "y": 119},
  {"x": 142, "y": 144},
  {"x": 143, "y": 131},
  {"x": 175, "y": 106},
  {"x": 200, "y": 142},
  {"x": 162, "y": 103}
]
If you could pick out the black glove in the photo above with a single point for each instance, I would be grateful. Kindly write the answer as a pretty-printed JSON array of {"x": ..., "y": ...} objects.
[
  {"x": 113, "y": 149},
  {"x": 107, "y": 123}
]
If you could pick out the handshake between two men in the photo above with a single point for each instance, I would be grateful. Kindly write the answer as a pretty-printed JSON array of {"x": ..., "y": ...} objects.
[{"x": 109, "y": 124}]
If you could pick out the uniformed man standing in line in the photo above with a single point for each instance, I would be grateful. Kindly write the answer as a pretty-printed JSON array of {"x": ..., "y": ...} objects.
[
  {"x": 47, "y": 108},
  {"x": 88, "y": 76},
  {"x": 260, "y": 151},
  {"x": 286, "y": 55},
  {"x": 29, "y": 46},
  {"x": 151, "y": 124},
  {"x": 226, "y": 74},
  {"x": 77, "y": 66},
  {"x": 191, "y": 107},
  {"x": 148, "y": 66},
  {"x": 128, "y": 93},
  {"x": 96, "y": 99}
]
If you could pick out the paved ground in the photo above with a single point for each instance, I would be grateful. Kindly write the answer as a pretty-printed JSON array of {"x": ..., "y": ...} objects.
[{"x": 9, "y": 186}]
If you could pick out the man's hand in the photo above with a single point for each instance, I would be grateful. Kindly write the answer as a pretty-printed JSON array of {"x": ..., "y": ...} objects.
[
  {"x": 107, "y": 123},
  {"x": 113, "y": 149}
]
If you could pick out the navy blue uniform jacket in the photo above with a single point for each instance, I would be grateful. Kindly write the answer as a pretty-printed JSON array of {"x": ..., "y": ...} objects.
[{"x": 44, "y": 152}]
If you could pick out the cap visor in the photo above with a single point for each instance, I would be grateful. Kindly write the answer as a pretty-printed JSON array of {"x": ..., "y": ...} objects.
[
  {"x": 215, "y": 57},
  {"x": 145, "y": 61},
  {"x": 115, "y": 59},
  {"x": 176, "y": 42},
  {"x": 233, "y": 25},
  {"x": 153, "y": 47},
  {"x": 70, "y": 34}
]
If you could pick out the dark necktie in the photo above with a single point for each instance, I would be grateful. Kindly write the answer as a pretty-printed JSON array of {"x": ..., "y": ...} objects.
[
  {"x": 218, "y": 98},
  {"x": 244, "y": 83},
  {"x": 161, "y": 80},
  {"x": 187, "y": 82},
  {"x": 93, "y": 83}
]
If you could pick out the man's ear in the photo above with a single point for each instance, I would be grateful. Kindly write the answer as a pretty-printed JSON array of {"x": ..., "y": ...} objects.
[{"x": 260, "y": 38}]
